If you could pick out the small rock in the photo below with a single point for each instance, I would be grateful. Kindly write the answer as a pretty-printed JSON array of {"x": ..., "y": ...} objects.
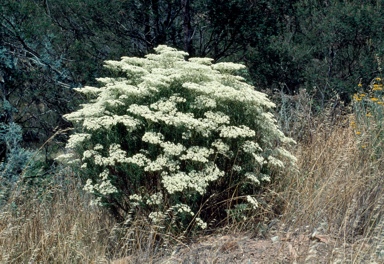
[{"x": 275, "y": 239}]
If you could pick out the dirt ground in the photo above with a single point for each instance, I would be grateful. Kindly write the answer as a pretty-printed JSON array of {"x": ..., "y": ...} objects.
[
  {"x": 277, "y": 247},
  {"x": 244, "y": 249}
]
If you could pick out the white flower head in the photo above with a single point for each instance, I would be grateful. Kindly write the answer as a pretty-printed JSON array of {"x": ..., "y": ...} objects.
[
  {"x": 172, "y": 149},
  {"x": 155, "y": 199},
  {"x": 274, "y": 162},
  {"x": 153, "y": 138},
  {"x": 227, "y": 66},
  {"x": 157, "y": 217},
  {"x": 98, "y": 146},
  {"x": 260, "y": 160},
  {"x": 235, "y": 132},
  {"x": 196, "y": 153},
  {"x": 251, "y": 147},
  {"x": 252, "y": 201},
  {"x": 65, "y": 157},
  {"x": 76, "y": 139},
  {"x": 204, "y": 102},
  {"x": 221, "y": 147},
  {"x": 200, "y": 223},
  {"x": 253, "y": 178}
]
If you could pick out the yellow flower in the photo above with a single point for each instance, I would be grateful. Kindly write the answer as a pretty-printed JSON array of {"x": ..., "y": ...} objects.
[
  {"x": 368, "y": 115},
  {"x": 359, "y": 85},
  {"x": 363, "y": 146},
  {"x": 377, "y": 87},
  {"x": 356, "y": 97},
  {"x": 378, "y": 79},
  {"x": 374, "y": 99},
  {"x": 380, "y": 103},
  {"x": 358, "y": 133}
]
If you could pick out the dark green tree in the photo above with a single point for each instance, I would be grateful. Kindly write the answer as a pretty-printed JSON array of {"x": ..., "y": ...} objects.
[{"x": 328, "y": 46}]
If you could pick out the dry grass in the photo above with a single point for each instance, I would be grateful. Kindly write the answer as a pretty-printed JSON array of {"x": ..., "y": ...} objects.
[
  {"x": 338, "y": 192},
  {"x": 54, "y": 227},
  {"x": 59, "y": 226}
]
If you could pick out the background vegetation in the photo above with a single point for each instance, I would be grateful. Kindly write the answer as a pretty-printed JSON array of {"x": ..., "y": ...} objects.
[{"x": 314, "y": 58}]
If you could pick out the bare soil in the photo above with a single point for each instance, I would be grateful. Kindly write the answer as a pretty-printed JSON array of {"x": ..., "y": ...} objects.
[{"x": 278, "y": 247}]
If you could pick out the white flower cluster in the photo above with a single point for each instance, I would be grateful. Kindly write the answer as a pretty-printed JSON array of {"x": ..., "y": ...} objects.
[
  {"x": 214, "y": 119},
  {"x": 237, "y": 168},
  {"x": 251, "y": 147},
  {"x": 103, "y": 187},
  {"x": 252, "y": 201},
  {"x": 65, "y": 157},
  {"x": 227, "y": 66},
  {"x": 166, "y": 55},
  {"x": 260, "y": 160},
  {"x": 169, "y": 148},
  {"x": 153, "y": 138},
  {"x": 252, "y": 177},
  {"x": 88, "y": 111},
  {"x": 240, "y": 92},
  {"x": 200, "y": 223},
  {"x": 196, "y": 153},
  {"x": 155, "y": 199},
  {"x": 168, "y": 105},
  {"x": 106, "y": 122},
  {"x": 138, "y": 159},
  {"x": 172, "y": 149},
  {"x": 204, "y": 102},
  {"x": 76, "y": 139},
  {"x": 89, "y": 89},
  {"x": 274, "y": 162},
  {"x": 235, "y": 132},
  {"x": 182, "y": 209},
  {"x": 135, "y": 200},
  {"x": 98, "y": 146},
  {"x": 116, "y": 155},
  {"x": 204, "y": 61},
  {"x": 157, "y": 217},
  {"x": 173, "y": 118},
  {"x": 193, "y": 180},
  {"x": 286, "y": 154},
  {"x": 221, "y": 147},
  {"x": 135, "y": 197},
  {"x": 89, "y": 154},
  {"x": 159, "y": 164},
  {"x": 96, "y": 157},
  {"x": 88, "y": 187},
  {"x": 264, "y": 177}
]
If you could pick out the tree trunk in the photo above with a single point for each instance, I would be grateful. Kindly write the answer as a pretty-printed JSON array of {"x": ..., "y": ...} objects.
[{"x": 187, "y": 28}]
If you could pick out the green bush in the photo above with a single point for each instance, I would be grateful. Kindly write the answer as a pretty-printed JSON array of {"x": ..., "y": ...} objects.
[
  {"x": 16, "y": 161},
  {"x": 179, "y": 141}
]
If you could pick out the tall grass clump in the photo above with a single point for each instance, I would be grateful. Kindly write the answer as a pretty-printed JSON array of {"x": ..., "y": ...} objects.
[
  {"x": 54, "y": 226},
  {"x": 184, "y": 143},
  {"x": 339, "y": 190}
]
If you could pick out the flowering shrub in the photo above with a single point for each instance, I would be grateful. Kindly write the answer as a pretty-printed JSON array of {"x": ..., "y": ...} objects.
[
  {"x": 169, "y": 138},
  {"x": 367, "y": 121}
]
